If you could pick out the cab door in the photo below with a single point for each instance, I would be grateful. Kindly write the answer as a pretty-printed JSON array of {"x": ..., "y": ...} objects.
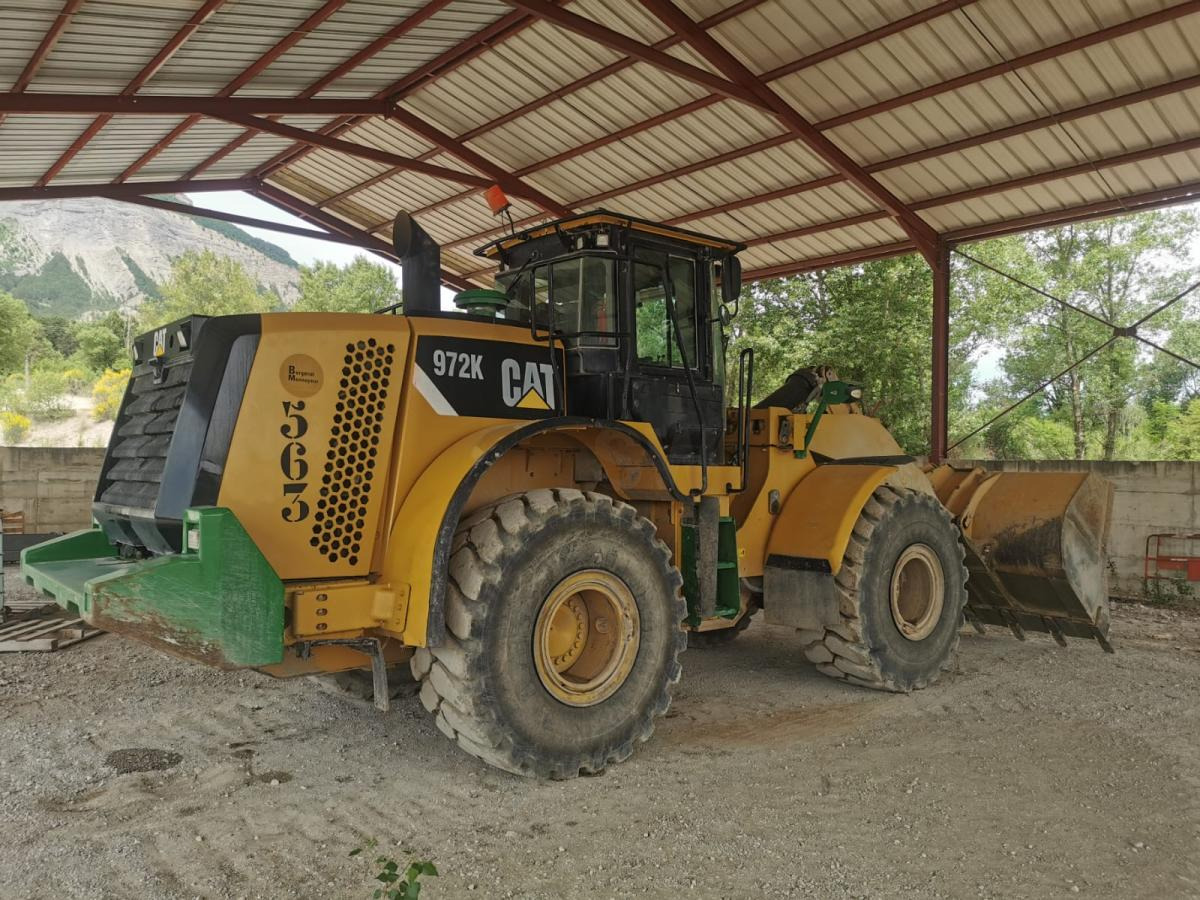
[{"x": 662, "y": 278}]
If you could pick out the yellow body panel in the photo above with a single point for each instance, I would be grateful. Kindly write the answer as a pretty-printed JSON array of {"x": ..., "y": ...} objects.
[
  {"x": 819, "y": 515},
  {"x": 311, "y": 451},
  {"x": 777, "y": 475}
]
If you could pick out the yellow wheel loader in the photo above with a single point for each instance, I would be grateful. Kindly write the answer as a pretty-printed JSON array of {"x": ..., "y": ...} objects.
[{"x": 538, "y": 500}]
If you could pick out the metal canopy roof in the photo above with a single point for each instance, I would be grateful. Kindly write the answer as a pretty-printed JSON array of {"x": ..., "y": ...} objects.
[{"x": 817, "y": 132}]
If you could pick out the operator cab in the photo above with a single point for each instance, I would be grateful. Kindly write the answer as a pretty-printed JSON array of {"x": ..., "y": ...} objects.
[{"x": 638, "y": 309}]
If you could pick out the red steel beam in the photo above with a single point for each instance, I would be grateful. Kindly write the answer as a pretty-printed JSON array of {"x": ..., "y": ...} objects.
[
  {"x": 1087, "y": 109},
  {"x": 251, "y": 72},
  {"x": 504, "y": 27},
  {"x": 249, "y": 221},
  {"x": 122, "y": 191},
  {"x": 564, "y": 91},
  {"x": 1047, "y": 121},
  {"x": 198, "y": 18},
  {"x": 833, "y": 260},
  {"x": 166, "y": 105},
  {"x": 297, "y": 207},
  {"x": 1083, "y": 168},
  {"x": 1172, "y": 196},
  {"x": 353, "y": 148},
  {"x": 833, "y": 155},
  {"x": 939, "y": 387},
  {"x": 1141, "y": 23},
  {"x": 615, "y": 40},
  {"x": 397, "y": 31},
  {"x": 509, "y": 182},
  {"x": 49, "y": 39},
  {"x": 1100, "y": 209},
  {"x": 1067, "y": 46}
]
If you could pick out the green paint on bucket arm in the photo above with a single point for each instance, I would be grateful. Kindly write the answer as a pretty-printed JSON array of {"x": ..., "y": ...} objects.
[{"x": 219, "y": 601}]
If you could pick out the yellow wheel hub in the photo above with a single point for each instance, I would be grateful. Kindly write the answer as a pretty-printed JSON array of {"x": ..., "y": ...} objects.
[
  {"x": 586, "y": 637},
  {"x": 917, "y": 592}
]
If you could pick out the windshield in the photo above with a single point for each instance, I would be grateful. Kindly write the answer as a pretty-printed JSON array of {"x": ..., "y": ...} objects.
[{"x": 576, "y": 295}]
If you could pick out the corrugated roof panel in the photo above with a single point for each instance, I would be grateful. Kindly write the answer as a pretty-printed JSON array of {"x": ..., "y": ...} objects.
[
  {"x": 389, "y": 136},
  {"x": 118, "y": 144},
  {"x": 110, "y": 40},
  {"x": 106, "y": 43},
  {"x": 761, "y": 173},
  {"x": 237, "y": 35},
  {"x": 23, "y": 32},
  {"x": 29, "y": 145},
  {"x": 634, "y": 95},
  {"x": 336, "y": 174},
  {"x": 813, "y": 208},
  {"x": 697, "y": 136},
  {"x": 446, "y": 29}
]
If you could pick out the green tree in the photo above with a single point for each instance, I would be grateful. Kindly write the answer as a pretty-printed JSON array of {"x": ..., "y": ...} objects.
[
  {"x": 60, "y": 332},
  {"x": 21, "y": 337},
  {"x": 1116, "y": 270},
  {"x": 205, "y": 284},
  {"x": 871, "y": 322},
  {"x": 361, "y": 286},
  {"x": 1181, "y": 437},
  {"x": 102, "y": 343}
]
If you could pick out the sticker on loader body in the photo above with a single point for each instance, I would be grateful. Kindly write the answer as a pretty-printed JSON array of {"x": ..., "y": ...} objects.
[{"x": 466, "y": 377}]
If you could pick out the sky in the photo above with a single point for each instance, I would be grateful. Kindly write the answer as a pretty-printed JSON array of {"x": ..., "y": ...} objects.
[{"x": 303, "y": 250}]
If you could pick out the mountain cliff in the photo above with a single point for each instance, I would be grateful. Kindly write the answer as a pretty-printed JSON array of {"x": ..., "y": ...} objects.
[{"x": 79, "y": 257}]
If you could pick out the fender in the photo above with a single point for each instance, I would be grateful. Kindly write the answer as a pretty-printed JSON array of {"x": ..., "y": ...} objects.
[
  {"x": 421, "y": 544},
  {"x": 808, "y": 543},
  {"x": 813, "y": 528}
]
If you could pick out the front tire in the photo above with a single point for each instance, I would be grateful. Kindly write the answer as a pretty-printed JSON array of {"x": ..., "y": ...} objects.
[
  {"x": 901, "y": 592},
  {"x": 564, "y": 629}
]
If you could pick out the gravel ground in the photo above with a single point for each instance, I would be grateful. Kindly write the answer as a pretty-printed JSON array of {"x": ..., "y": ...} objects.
[{"x": 1029, "y": 771}]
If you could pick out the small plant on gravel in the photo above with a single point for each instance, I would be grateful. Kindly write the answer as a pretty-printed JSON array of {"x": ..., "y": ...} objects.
[{"x": 397, "y": 886}]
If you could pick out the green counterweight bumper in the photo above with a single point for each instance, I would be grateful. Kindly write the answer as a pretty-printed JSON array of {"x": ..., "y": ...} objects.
[{"x": 219, "y": 601}]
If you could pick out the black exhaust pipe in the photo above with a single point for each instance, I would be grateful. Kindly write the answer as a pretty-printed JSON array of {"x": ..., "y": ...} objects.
[{"x": 421, "y": 266}]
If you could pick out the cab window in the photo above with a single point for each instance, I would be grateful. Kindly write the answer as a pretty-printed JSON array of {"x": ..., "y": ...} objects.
[
  {"x": 656, "y": 344},
  {"x": 576, "y": 294}
]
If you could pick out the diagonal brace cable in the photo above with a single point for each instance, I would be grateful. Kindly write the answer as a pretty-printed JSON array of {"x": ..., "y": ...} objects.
[
  {"x": 1037, "y": 290},
  {"x": 1037, "y": 390}
]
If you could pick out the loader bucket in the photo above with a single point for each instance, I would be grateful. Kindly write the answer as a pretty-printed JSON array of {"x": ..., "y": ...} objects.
[{"x": 1035, "y": 548}]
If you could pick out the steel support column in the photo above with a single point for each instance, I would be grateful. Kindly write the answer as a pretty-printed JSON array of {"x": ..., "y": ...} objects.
[{"x": 939, "y": 433}]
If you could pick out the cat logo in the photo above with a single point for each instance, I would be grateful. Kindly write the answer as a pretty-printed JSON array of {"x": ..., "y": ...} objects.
[
  {"x": 528, "y": 387},
  {"x": 160, "y": 342},
  {"x": 497, "y": 379}
]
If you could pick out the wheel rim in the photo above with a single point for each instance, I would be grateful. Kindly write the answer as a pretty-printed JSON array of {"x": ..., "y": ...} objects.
[
  {"x": 917, "y": 592},
  {"x": 586, "y": 637}
]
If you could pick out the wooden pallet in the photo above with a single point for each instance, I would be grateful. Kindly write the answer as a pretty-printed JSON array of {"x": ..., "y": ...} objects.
[{"x": 44, "y": 632}]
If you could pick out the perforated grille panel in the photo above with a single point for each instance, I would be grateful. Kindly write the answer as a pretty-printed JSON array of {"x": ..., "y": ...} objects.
[{"x": 348, "y": 478}]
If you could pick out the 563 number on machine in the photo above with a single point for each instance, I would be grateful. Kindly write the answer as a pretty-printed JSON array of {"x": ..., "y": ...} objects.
[{"x": 292, "y": 463}]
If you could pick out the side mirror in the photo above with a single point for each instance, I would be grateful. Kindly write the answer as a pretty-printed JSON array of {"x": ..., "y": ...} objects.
[{"x": 731, "y": 280}]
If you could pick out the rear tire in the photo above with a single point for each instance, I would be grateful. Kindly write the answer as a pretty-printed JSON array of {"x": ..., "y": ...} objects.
[
  {"x": 901, "y": 592},
  {"x": 524, "y": 572}
]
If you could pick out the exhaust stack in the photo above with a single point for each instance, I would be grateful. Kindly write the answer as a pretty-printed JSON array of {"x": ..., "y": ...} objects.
[{"x": 421, "y": 265}]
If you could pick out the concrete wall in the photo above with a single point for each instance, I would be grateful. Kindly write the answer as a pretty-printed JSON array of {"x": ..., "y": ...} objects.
[
  {"x": 1148, "y": 497},
  {"x": 52, "y": 486}
]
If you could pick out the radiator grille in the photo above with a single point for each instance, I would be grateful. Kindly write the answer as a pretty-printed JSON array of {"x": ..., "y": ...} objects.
[
  {"x": 353, "y": 447},
  {"x": 142, "y": 436}
]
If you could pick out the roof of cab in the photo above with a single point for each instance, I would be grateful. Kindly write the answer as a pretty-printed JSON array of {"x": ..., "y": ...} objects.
[{"x": 606, "y": 217}]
